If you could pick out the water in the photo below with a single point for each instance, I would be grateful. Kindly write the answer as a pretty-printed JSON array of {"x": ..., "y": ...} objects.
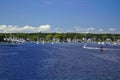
[{"x": 66, "y": 61}]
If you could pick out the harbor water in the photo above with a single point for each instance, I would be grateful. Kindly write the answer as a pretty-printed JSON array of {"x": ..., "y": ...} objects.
[{"x": 58, "y": 61}]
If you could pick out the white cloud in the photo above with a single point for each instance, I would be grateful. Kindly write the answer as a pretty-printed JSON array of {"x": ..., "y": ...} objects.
[
  {"x": 100, "y": 30},
  {"x": 84, "y": 29},
  {"x": 111, "y": 29},
  {"x": 25, "y": 29},
  {"x": 44, "y": 28},
  {"x": 91, "y": 29}
]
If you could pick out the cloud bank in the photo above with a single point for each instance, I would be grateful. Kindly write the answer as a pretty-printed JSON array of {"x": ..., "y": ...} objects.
[
  {"x": 24, "y": 29},
  {"x": 48, "y": 28}
]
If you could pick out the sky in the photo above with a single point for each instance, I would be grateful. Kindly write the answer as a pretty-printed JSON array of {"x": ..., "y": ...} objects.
[{"x": 82, "y": 16}]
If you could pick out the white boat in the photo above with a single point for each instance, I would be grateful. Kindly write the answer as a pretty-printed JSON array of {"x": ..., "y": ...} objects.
[{"x": 103, "y": 43}]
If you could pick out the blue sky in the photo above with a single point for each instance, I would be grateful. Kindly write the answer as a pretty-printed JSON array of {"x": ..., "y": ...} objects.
[{"x": 60, "y": 16}]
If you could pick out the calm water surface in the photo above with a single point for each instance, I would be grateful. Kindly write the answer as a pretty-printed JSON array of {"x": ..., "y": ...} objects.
[{"x": 66, "y": 61}]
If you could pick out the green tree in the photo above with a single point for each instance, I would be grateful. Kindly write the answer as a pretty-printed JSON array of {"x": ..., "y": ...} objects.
[
  {"x": 49, "y": 37},
  {"x": 58, "y": 36}
]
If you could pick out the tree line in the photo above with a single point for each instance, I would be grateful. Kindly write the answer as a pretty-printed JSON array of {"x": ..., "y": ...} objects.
[{"x": 60, "y": 36}]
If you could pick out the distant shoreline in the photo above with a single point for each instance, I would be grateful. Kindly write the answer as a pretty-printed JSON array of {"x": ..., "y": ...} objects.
[{"x": 60, "y": 37}]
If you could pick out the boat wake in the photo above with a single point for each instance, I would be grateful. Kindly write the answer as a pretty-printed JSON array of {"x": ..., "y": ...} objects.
[{"x": 99, "y": 48}]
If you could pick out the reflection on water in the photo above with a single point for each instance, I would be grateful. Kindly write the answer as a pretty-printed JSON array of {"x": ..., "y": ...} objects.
[{"x": 66, "y": 61}]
